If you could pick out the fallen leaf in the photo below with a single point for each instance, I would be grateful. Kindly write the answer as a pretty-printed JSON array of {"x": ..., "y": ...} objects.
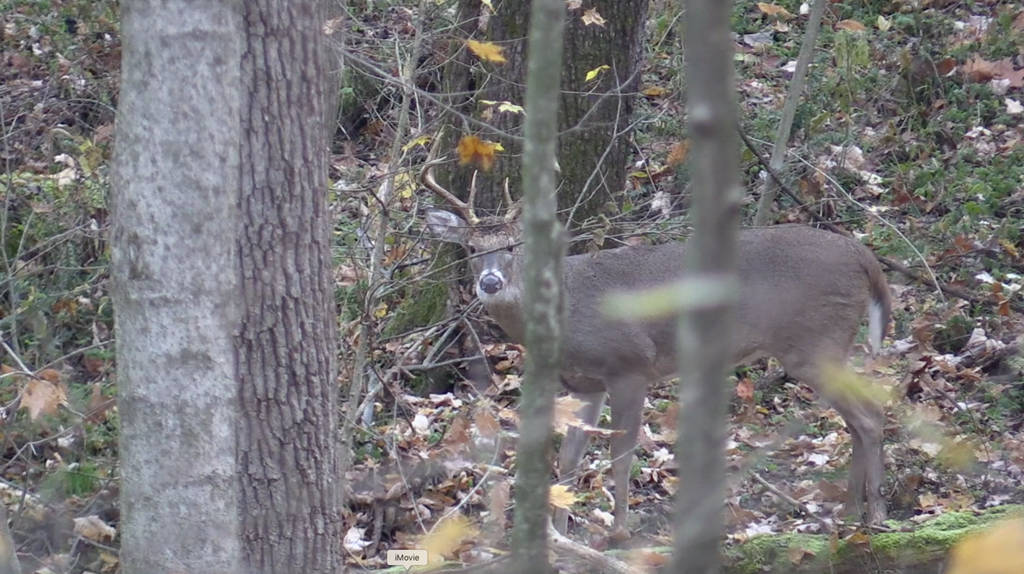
[
  {"x": 42, "y": 397},
  {"x": 774, "y": 11},
  {"x": 851, "y": 26},
  {"x": 93, "y": 528},
  {"x": 561, "y": 497},
  {"x": 446, "y": 537},
  {"x": 592, "y": 18}
]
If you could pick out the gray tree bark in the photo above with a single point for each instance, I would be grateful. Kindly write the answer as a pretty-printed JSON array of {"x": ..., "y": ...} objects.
[
  {"x": 288, "y": 459},
  {"x": 594, "y": 151},
  {"x": 223, "y": 293},
  {"x": 704, "y": 333},
  {"x": 544, "y": 301},
  {"x": 175, "y": 284}
]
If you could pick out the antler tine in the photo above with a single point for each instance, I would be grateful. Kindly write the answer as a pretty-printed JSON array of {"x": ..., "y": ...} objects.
[
  {"x": 472, "y": 197},
  {"x": 427, "y": 178},
  {"x": 513, "y": 207}
]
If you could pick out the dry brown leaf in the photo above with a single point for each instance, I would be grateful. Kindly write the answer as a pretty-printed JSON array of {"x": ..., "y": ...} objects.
[
  {"x": 851, "y": 26},
  {"x": 654, "y": 91},
  {"x": 93, "y": 528},
  {"x": 486, "y": 51},
  {"x": 592, "y": 18},
  {"x": 678, "y": 153},
  {"x": 774, "y": 11},
  {"x": 486, "y": 424},
  {"x": 42, "y": 397}
]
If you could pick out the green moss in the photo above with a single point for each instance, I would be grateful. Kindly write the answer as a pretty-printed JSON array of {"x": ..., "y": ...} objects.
[
  {"x": 814, "y": 552},
  {"x": 423, "y": 305}
]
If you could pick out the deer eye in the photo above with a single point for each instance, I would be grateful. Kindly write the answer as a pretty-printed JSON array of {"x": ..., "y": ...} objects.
[
  {"x": 471, "y": 249},
  {"x": 510, "y": 248}
]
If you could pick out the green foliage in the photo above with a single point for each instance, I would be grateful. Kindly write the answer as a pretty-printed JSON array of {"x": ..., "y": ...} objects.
[{"x": 419, "y": 306}]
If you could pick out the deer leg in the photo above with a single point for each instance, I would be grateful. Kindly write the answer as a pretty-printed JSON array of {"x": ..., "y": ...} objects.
[
  {"x": 864, "y": 420},
  {"x": 574, "y": 445},
  {"x": 627, "y": 401}
]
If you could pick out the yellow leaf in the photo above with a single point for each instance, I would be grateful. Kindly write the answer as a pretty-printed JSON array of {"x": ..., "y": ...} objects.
[
  {"x": 510, "y": 107},
  {"x": 381, "y": 310},
  {"x": 488, "y": 4},
  {"x": 561, "y": 497},
  {"x": 446, "y": 537},
  {"x": 997, "y": 550},
  {"x": 655, "y": 91},
  {"x": 504, "y": 106},
  {"x": 594, "y": 73},
  {"x": 472, "y": 149},
  {"x": 592, "y": 18},
  {"x": 405, "y": 185},
  {"x": 774, "y": 10},
  {"x": 486, "y": 51},
  {"x": 421, "y": 141},
  {"x": 882, "y": 23},
  {"x": 850, "y": 26}
]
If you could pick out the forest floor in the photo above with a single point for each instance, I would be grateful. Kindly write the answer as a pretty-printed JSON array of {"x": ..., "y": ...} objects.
[{"x": 909, "y": 135}]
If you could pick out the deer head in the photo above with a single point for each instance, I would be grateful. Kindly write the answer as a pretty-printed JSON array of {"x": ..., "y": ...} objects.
[{"x": 493, "y": 243}]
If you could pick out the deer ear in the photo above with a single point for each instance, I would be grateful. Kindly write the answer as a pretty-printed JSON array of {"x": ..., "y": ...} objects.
[{"x": 446, "y": 226}]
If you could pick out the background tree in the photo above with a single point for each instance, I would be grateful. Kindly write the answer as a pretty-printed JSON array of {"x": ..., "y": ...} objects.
[
  {"x": 605, "y": 39},
  {"x": 222, "y": 272}
]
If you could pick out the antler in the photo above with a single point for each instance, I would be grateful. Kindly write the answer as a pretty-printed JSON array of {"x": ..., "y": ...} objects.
[
  {"x": 464, "y": 208},
  {"x": 513, "y": 207},
  {"x": 427, "y": 178}
]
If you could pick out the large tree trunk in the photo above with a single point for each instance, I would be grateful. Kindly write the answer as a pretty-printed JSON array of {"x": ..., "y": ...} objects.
[
  {"x": 223, "y": 293},
  {"x": 175, "y": 285},
  {"x": 594, "y": 151},
  {"x": 286, "y": 348}
]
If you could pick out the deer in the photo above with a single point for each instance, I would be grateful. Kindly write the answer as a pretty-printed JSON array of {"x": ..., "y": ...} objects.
[{"x": 802, "y": 297}]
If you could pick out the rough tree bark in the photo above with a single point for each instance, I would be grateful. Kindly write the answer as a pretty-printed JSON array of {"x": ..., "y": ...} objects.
[
  {"x": 543, "y": 301},
  {"x": 175, "y": 283},
  {"x": 704, "y": 333},
  {"x": 288, "y": 458},
  {"x": 222, "y": 289},
  {"x": 593, "y": 153}
]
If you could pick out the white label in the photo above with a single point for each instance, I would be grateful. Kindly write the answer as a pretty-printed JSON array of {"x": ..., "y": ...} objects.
[{"x": 407, "y": 557}]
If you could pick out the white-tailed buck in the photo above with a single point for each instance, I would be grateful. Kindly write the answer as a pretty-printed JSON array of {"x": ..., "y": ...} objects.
[{"x": 803, "y": 294}]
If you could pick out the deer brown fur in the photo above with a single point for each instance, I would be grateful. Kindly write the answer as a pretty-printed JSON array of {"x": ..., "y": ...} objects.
[{"x": 803, "y": 295}]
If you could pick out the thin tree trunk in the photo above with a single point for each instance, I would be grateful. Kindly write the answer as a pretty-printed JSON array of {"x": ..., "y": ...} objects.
[
  {"x": 175, "y": 285},
  {"x": 288, "y": 455},
  {"x": 705, "y": 333},
  {"x": 544, "y": 303},
  {"x": 796, "y": 88}
]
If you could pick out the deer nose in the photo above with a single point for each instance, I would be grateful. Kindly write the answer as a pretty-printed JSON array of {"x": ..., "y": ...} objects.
[{"x": 491, "y": 284}]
